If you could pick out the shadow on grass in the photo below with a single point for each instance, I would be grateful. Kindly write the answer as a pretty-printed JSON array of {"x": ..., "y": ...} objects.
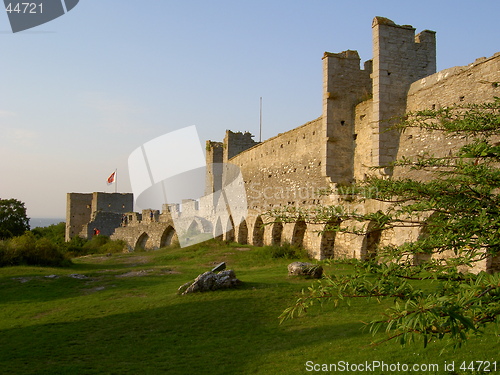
[{"x": 190, "y": 336}]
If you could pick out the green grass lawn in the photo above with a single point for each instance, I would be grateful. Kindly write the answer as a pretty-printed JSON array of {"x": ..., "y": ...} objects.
[{"x": 125, "y": 317}]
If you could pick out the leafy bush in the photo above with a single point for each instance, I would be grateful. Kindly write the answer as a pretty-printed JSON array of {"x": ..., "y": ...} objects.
[
  {"x": 97, "y": 245},
  {"x": 284, "y": 251},
  {"x": 75, "y": 247},
  {"x": 113, "y": 246},
  {"x": 46, "y": 246},
  {"x": 29, "y": 250},
  {"x": 55, "y": 232}
]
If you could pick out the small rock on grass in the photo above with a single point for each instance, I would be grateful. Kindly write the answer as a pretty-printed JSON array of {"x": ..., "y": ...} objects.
[
  {"x": 305, "y": 269},
  {"x": 210, "y": 281}
]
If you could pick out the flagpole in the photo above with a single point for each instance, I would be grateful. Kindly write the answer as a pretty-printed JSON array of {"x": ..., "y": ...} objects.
[
  {"x": 116, "y": 180},
  {"x": 260, "y": 126}
]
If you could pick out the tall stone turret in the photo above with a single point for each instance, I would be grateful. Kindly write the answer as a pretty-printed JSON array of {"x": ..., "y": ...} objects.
[
  {"x": 399, "y": 59},
  {"x": 344, "y": 86}
]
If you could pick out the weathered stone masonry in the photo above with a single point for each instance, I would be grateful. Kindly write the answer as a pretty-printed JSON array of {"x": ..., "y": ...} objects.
[
  {"x": 338, "y": 148},
  {"x": 102, "y": 211}
]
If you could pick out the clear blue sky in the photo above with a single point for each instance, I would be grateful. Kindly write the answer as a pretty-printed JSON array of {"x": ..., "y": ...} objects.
[{"x": 78, "y": 94}]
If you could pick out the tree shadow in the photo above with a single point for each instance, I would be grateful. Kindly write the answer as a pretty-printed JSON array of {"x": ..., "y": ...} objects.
[{"x": 190, "y": 336}]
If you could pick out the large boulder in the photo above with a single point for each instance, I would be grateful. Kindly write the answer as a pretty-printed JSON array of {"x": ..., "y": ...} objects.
[
  {"x": 210, "y": 281},
  {"x": 305, "y": 269}
]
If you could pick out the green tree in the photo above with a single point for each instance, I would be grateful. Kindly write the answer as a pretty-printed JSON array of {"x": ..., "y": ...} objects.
[
  {"x": 13, "y": 219},
  {"x": 54, "y": 232},
  {"x": 457, "y": 207}
]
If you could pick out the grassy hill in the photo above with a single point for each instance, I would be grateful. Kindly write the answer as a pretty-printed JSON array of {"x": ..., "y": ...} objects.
[{"x": 120, "y": 314}]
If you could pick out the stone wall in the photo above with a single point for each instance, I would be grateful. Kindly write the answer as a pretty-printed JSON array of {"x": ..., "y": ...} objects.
[
  {"x": 102, "y": 211},
  {"x": 340, "y": 147},
  {"x": 284, "y": 170},
  {"x": 78, "y": 213},
  {"x": 476, "y": 83},
  {"x": 214, "y": 157},
  {"x": 236, "y": 142},
  {"x": 344, "y": 86},
  {"x": 365, "y": 133},
  {"x": 399, "y": 58},
  {"x": 112, "y": 202}
]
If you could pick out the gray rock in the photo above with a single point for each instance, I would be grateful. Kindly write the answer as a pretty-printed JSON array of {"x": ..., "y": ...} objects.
[
  {"x": 78, "y": 276},
  {"x": 305, "y": 269},
  {"x": 210, "y": 281}
]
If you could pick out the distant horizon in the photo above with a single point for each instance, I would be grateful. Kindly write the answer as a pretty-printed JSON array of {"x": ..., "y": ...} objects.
[
  {"x": 41, "y": 222},
  {"x": 48, "y": 218}
]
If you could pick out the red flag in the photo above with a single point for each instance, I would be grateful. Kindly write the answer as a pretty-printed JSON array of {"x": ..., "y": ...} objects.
[{"x": 111, "y": 178}]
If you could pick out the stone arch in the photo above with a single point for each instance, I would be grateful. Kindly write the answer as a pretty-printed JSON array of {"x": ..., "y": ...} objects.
[
  {"x": 243, "y": 233},
  {"x": 258, "y": 232},
  {"x": 219, "y": 231},
  {"x": 141, "y": 243},
  {"x": 168, "y": 237},
  {"x": 371, "y": 241},
  {"x": 327, "y": 247},
  {"x": 230, "y": 230},
  {"x": 299, "y": 231},
  {"x": 193, "y": 229},
  {"x": 422, "y": 235},
  {"x": 199, "y": 230},
  {"x": 277, "y": 231}
]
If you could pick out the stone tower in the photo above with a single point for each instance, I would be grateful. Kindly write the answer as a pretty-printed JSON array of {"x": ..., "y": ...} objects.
[{"x": 399, "y": 59}]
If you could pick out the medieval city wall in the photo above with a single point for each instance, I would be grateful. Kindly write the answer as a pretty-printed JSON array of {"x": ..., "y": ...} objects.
[
  {"x": 338, "y": 148},
  {"x": 284, "y": 170},
  {"x": 472, "y": 84},
  {"x": 476, "y": 83}
]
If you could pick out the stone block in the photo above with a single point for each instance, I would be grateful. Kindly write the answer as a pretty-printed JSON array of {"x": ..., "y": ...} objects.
[{"x": 305, "y": 269}]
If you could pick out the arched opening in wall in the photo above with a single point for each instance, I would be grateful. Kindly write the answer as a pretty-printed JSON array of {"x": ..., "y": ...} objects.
[
  {"x": 277, "y": 233},
  {"x": 258, "y": 232},
  {"x": 219, "y": 231},
  {"x": 230, "y": 230},
  {"x": 141, "y": 242},
  {"x": 299, "y": 232},
  {"x": 328, "y": 239},
  {"x": 423, "y": 235},
  {"x": 371, "y": 241},
  {"x": 194, "y": 229},
  {"x": 199, "y": 230},
  {"x": 169, "y": 237},
  {"x": 243, "y": 233}
]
